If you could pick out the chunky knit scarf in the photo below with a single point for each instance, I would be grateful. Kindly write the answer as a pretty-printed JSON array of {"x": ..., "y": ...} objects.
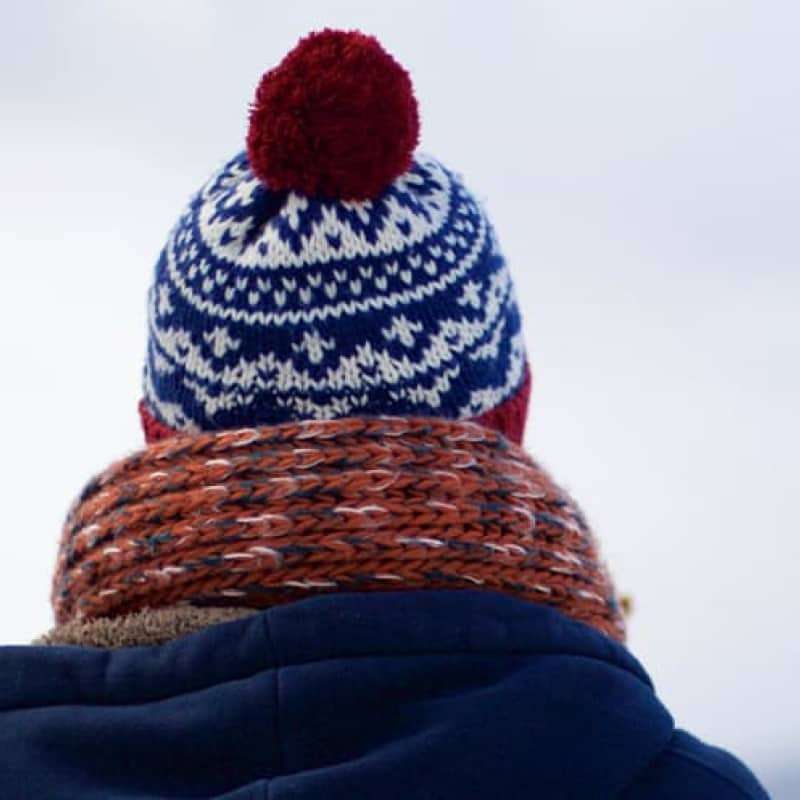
[{"x": 262, "y": 516}]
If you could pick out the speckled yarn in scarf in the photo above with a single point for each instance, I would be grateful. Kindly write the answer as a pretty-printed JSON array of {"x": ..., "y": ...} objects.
[{"x": 256, "y": 517}]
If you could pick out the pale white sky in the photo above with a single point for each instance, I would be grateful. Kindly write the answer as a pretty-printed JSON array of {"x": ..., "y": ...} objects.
[{"x": 641, "y": 161}]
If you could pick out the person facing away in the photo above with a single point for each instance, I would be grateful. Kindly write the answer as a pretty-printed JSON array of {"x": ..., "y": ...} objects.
[{"x": 334, "y": 572}]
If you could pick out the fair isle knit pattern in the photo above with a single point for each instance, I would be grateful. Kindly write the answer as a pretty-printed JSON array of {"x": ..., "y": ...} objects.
[{"x": 271, "y": 307}]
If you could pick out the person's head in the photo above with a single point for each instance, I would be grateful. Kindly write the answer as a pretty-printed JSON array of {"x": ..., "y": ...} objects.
[{"x": 330, "y": 270}]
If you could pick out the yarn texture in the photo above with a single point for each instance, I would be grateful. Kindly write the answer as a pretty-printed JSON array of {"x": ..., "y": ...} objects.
[
  {"x": 336, "y": 118},
  {"x": 257, "y": 517},
  {"x": 509, "y": 418},
  {"x": 274, "y": 308},
  {"x": 332, "y": 271}
]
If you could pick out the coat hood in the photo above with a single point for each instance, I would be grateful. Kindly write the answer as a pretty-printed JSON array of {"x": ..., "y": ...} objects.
[{"x": 429, "y": 694}]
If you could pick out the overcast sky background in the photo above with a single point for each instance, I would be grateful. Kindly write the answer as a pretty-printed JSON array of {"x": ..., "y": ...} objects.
[{"x": 641, "y": 162}]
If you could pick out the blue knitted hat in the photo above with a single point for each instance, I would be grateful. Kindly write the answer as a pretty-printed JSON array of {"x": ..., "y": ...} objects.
[{"x": 329, "y": 271}]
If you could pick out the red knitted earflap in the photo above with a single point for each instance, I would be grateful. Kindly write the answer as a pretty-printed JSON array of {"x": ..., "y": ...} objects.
[{"x": 509, "y": 418}]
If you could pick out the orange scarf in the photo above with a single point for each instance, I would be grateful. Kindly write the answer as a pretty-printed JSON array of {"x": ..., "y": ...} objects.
[{"x": 257, "y": 517}]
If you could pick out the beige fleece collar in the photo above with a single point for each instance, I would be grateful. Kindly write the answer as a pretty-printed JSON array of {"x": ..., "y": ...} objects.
[{"x": 145, "y": 627}]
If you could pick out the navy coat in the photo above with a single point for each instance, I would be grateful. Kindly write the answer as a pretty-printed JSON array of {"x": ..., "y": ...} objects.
[{"x": 395, "y": 696}]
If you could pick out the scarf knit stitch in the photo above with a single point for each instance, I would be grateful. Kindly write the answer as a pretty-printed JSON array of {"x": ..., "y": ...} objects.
[{"x": 260, "y": 516}]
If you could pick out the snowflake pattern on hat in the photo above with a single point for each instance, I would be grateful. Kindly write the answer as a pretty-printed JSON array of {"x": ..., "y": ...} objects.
[{"x": 274, "y": 306}]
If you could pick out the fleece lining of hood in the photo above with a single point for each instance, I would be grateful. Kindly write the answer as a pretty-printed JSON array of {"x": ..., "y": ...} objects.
[{"x": 150, "y": 626}]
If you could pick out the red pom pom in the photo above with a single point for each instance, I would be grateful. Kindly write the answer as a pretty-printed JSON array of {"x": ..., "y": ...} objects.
[{"x": 336, "y": 118}]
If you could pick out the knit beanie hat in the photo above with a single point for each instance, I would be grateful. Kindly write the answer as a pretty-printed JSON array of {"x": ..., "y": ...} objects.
[{"x": 330, "y": 270}]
